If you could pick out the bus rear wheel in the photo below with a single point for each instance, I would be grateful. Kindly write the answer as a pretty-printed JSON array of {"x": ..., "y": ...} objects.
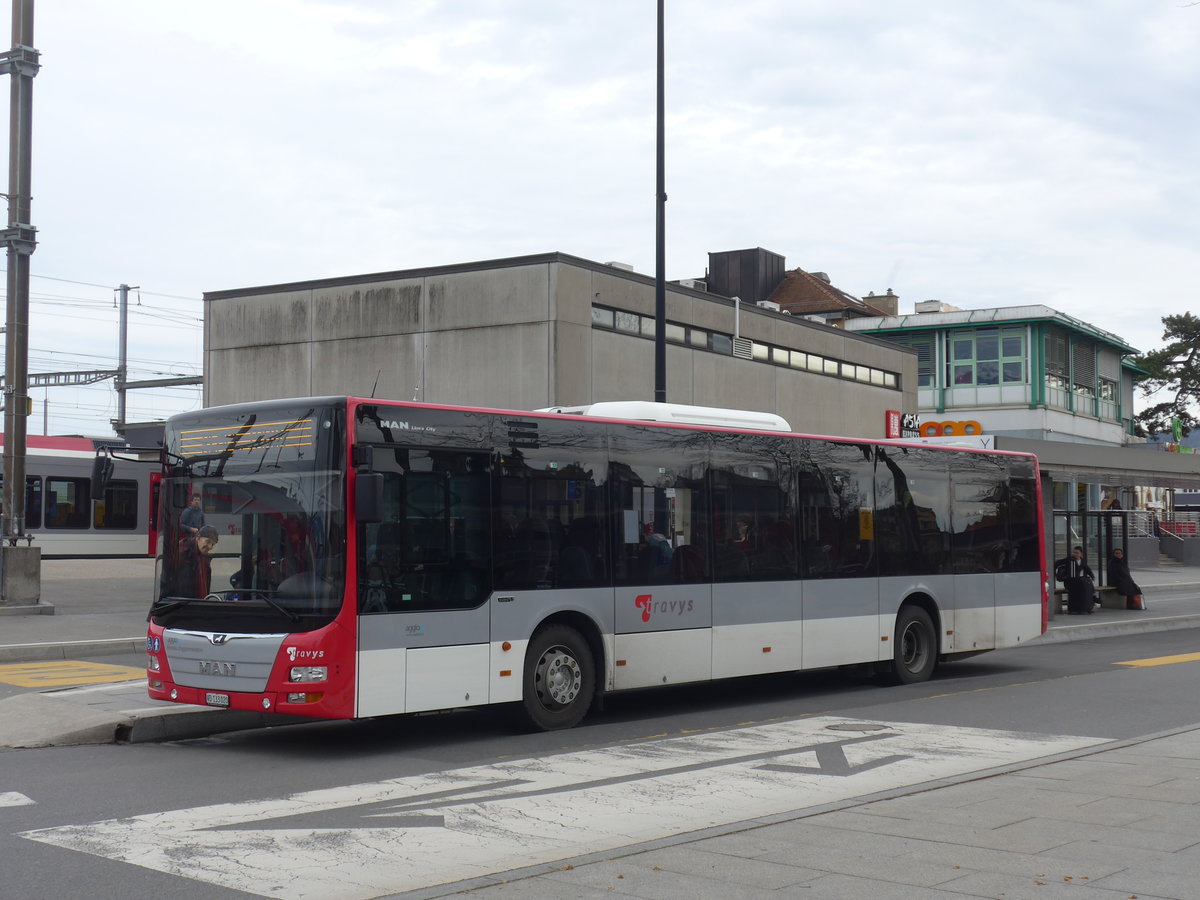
[
  {"x": 559, "y": 678},
  {"x": 915, "y": 646}
]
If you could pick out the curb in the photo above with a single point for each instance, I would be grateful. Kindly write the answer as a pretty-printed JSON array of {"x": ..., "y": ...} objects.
[
  {"x": 1059, "y": 633},
  {"x": 33, "y": 721},
  {"x": 70, "y": 649},
  {"x": 30, "y": 609},
  {"x": 195, "y": 722}
]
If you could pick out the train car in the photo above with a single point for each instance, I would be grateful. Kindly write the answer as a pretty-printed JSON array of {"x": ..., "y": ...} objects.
[{"x": 66, "y": 520}]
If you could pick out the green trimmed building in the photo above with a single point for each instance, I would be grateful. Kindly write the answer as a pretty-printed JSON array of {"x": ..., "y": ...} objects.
[{"x": 1023, "y": 371}]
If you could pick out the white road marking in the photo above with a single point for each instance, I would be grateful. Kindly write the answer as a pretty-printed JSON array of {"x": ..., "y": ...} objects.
[
  {"x": 12, "y": 798},
  {"x": 365, "y": 840}
]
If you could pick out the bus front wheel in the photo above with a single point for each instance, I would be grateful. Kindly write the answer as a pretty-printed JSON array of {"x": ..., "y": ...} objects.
[
  {"x": 915, "y": 646},
  {"x": 559, "y": 679}
]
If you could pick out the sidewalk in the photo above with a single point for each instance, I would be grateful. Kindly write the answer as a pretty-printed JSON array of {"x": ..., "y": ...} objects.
[
  {"x": 1121, "y": 820},
  {"x": 100, "y": 609}
]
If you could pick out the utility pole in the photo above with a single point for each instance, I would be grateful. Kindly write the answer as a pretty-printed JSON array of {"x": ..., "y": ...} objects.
[
  {"x": 20, "y": 575},
  {"x": 123, "y": 357}
]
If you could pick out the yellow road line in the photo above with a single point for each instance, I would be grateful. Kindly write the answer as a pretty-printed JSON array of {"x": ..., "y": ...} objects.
[
  {"x": 63, "y": 673},
  {"x": 1161, "y": 660}
]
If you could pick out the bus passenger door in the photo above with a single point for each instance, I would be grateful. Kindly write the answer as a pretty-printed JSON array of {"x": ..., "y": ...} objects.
[
  {"x": 757, "y": 624},
  {"x": 662, "y": 560},
  {"x": 839, "y": 556},
  {"x": 979, "y": 553},
  {"x": 424, "y": 580}
]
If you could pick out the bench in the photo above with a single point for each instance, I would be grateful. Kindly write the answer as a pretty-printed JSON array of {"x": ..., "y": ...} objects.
[{"x": 1109, "y": 598}]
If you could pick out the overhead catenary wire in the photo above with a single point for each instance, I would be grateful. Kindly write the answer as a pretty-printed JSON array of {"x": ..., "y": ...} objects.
[{"x": 77, "y": 316}]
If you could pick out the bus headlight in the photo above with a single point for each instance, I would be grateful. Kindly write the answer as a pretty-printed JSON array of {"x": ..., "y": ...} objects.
[
  {"x": 152, "y": 663},
  {"x": 308, "y": 673}
]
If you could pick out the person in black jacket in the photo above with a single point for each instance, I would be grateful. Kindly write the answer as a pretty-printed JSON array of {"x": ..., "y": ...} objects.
[
  {"x": 1120, "y": 579},
  {"x": 1079, "y": 581},
  {"x": 194, "y": 573}
]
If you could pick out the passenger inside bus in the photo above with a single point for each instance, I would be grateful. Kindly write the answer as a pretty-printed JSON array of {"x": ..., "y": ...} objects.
[{"x": 193, "y": 575}]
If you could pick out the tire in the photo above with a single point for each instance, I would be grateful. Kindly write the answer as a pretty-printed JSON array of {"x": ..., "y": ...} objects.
[
  {"x": 559, "y": 682},
  {"x": 915, "y": 648}
]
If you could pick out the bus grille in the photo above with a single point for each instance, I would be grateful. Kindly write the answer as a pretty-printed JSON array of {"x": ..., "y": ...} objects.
[{"x": 223, "y": 662}]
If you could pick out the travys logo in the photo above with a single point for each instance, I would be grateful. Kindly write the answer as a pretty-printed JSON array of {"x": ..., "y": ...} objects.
[
  {"x": 295, "y": 653},
  {"x": 649, "y": 606}
]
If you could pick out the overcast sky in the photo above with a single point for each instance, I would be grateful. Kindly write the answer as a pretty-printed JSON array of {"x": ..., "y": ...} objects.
[{"x": 985, "y": 154}]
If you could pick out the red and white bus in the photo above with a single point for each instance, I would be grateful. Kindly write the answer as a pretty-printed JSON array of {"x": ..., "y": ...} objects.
[{"x": 379, "y": 557}]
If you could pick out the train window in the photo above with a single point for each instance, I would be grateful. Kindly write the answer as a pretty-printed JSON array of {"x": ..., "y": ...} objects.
[
  {"x": 67, "y": 502},
  {"x": 33, "y": 500},
  {"x": 119, "y": 508}
]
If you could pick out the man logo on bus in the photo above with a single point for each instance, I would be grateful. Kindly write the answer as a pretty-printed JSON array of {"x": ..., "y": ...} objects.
[{"x": 950, "y": 429}]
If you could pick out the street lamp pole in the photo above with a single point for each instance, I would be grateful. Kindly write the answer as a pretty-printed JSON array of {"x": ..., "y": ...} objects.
[{"x": 660, "y": 253}]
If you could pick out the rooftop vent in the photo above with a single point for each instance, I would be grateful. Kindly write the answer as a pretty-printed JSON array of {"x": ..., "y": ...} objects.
[{"x": 934, "y": 306}]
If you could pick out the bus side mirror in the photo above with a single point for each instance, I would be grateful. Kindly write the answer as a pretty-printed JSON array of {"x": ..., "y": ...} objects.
[
  {"x": 102, "y": 472},
  {"x": 368, "y": 497}
]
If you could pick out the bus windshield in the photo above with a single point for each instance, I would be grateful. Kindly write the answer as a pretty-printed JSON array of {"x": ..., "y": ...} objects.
[{"x": 253, "y": 511}]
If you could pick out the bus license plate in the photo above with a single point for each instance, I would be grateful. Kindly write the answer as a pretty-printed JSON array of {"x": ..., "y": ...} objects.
[{"x": 217, "y": 700}]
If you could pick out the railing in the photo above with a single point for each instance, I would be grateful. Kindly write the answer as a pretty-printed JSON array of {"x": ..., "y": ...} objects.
[{"x": 1180, "y": 525}]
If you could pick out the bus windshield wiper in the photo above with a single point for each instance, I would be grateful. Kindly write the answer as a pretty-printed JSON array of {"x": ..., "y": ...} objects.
[
  {"x": 257, "y": 594},
  {"x": 164, "y": 605}
]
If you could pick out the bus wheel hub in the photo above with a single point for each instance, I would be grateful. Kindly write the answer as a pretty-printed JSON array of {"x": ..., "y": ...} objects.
[{"x": 560, "y": 676}]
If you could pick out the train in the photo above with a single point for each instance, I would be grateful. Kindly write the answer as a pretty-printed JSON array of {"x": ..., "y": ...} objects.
[{"x": 63, "y": 517}]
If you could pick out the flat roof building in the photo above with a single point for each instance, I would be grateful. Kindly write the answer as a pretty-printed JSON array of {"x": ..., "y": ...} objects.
[{"x": 549, "y": 330}]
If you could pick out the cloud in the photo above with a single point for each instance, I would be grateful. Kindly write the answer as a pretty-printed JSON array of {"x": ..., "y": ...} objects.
[{"x": 1028, "y": 152}]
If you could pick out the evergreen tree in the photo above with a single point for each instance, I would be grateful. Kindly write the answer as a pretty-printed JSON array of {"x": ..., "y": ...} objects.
[{"x": 1174, "y": 376}]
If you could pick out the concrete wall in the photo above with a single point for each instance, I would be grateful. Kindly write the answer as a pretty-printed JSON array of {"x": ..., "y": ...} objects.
[
  {"x": 1187, "y": 551},
  {"x": 521, "y": 336},
  {"x": 1142, "y": 553}
]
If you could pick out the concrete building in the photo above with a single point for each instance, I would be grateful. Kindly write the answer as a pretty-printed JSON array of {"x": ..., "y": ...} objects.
[{"x": 547, "y": 330}]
